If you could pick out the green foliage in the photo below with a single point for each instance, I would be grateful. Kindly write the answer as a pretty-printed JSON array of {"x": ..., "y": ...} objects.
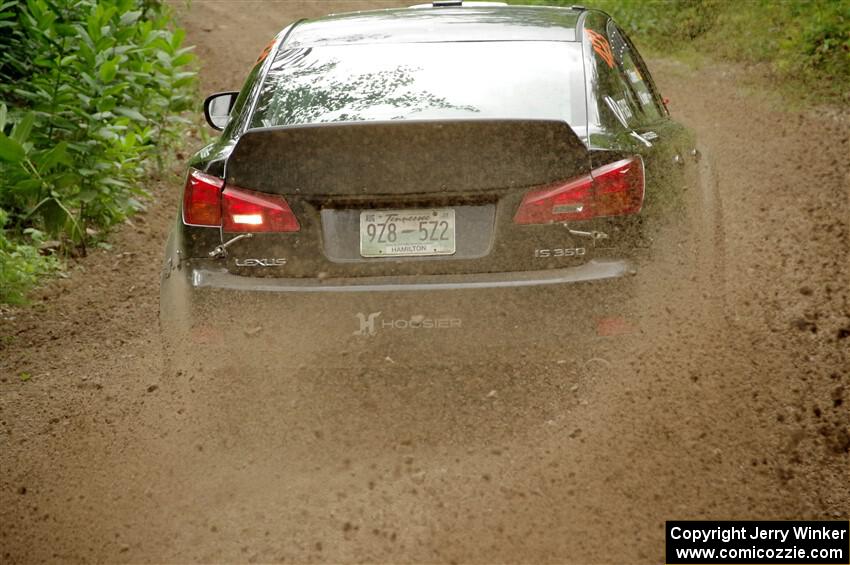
[
  {"x": 89, "y": 90},
  {"x": 807, "y": 40},
  {"x": 804, "y": 41},
  {"x": 21, "y": 264}
]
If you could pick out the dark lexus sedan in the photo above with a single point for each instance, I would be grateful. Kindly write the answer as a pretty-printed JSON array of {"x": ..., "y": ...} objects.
[{"x": 424, "y": 184}]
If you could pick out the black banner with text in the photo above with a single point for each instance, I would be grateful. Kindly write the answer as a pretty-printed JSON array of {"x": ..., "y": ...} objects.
[{"x": 746, "y": 542}]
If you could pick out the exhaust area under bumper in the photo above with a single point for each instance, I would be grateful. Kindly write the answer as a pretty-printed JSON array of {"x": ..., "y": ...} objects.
[{"x": 554, "y": 315}]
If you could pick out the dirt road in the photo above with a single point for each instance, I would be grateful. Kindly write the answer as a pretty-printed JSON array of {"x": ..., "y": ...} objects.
[{"x": 103, "y": 459}]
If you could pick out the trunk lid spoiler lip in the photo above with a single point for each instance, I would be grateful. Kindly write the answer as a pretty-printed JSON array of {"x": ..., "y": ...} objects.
[{"x": 405, "y": 156}]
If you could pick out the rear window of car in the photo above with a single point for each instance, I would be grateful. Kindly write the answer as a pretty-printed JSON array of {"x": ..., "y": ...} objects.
[{"x": 486, "y": 80}]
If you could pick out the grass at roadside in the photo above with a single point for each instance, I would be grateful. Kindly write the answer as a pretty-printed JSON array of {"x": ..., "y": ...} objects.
[
  {"x": 91, "y": 92},
  {"x": 804, "y": 43}
]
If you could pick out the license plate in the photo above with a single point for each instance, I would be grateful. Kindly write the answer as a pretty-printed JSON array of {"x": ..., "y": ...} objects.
[{"x": 407, "y": 233}]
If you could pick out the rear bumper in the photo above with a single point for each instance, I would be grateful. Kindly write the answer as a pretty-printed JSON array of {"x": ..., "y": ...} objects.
[
  {"x": 545, "y": 315},
  {"x": 596, "y": 270}
]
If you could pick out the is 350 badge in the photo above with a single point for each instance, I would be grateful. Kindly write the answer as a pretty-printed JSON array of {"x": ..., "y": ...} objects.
[{"x": 561, "y": 252}]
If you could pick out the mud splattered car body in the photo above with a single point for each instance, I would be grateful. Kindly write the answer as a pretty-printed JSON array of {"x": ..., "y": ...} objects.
[{"x": 426, "y": 181}]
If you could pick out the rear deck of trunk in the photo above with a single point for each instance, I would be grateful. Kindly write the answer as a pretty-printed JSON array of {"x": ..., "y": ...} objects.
[{"x": 479, "y": 169}]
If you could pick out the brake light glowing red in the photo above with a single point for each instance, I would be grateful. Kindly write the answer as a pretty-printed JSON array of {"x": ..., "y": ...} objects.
[
  {"x": 202, "y": 199},
  {"x": 234, "y": 209},
  {"x": 249, "y": 211},
  {"x": 616, "y": 189}
]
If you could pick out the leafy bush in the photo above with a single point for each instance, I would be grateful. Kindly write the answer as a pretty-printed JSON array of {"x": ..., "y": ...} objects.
[
  {"x": 809, "y": 40},
  {"x": 89, "y": 90},
  {"x": 21, "y": 265},
  {"x": 806, "y": 41}
]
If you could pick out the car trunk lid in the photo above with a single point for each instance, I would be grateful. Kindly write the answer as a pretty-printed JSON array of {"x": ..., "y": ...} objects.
[{"x": 475, "y": 171}]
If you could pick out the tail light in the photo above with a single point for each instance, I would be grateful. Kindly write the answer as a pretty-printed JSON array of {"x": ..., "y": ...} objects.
[
  {"x": 234, "y": 209},
  {"x": 202, "y": 199},
  {"x": 249, "y": 211},
  {"x": 615, "y": 189}
]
